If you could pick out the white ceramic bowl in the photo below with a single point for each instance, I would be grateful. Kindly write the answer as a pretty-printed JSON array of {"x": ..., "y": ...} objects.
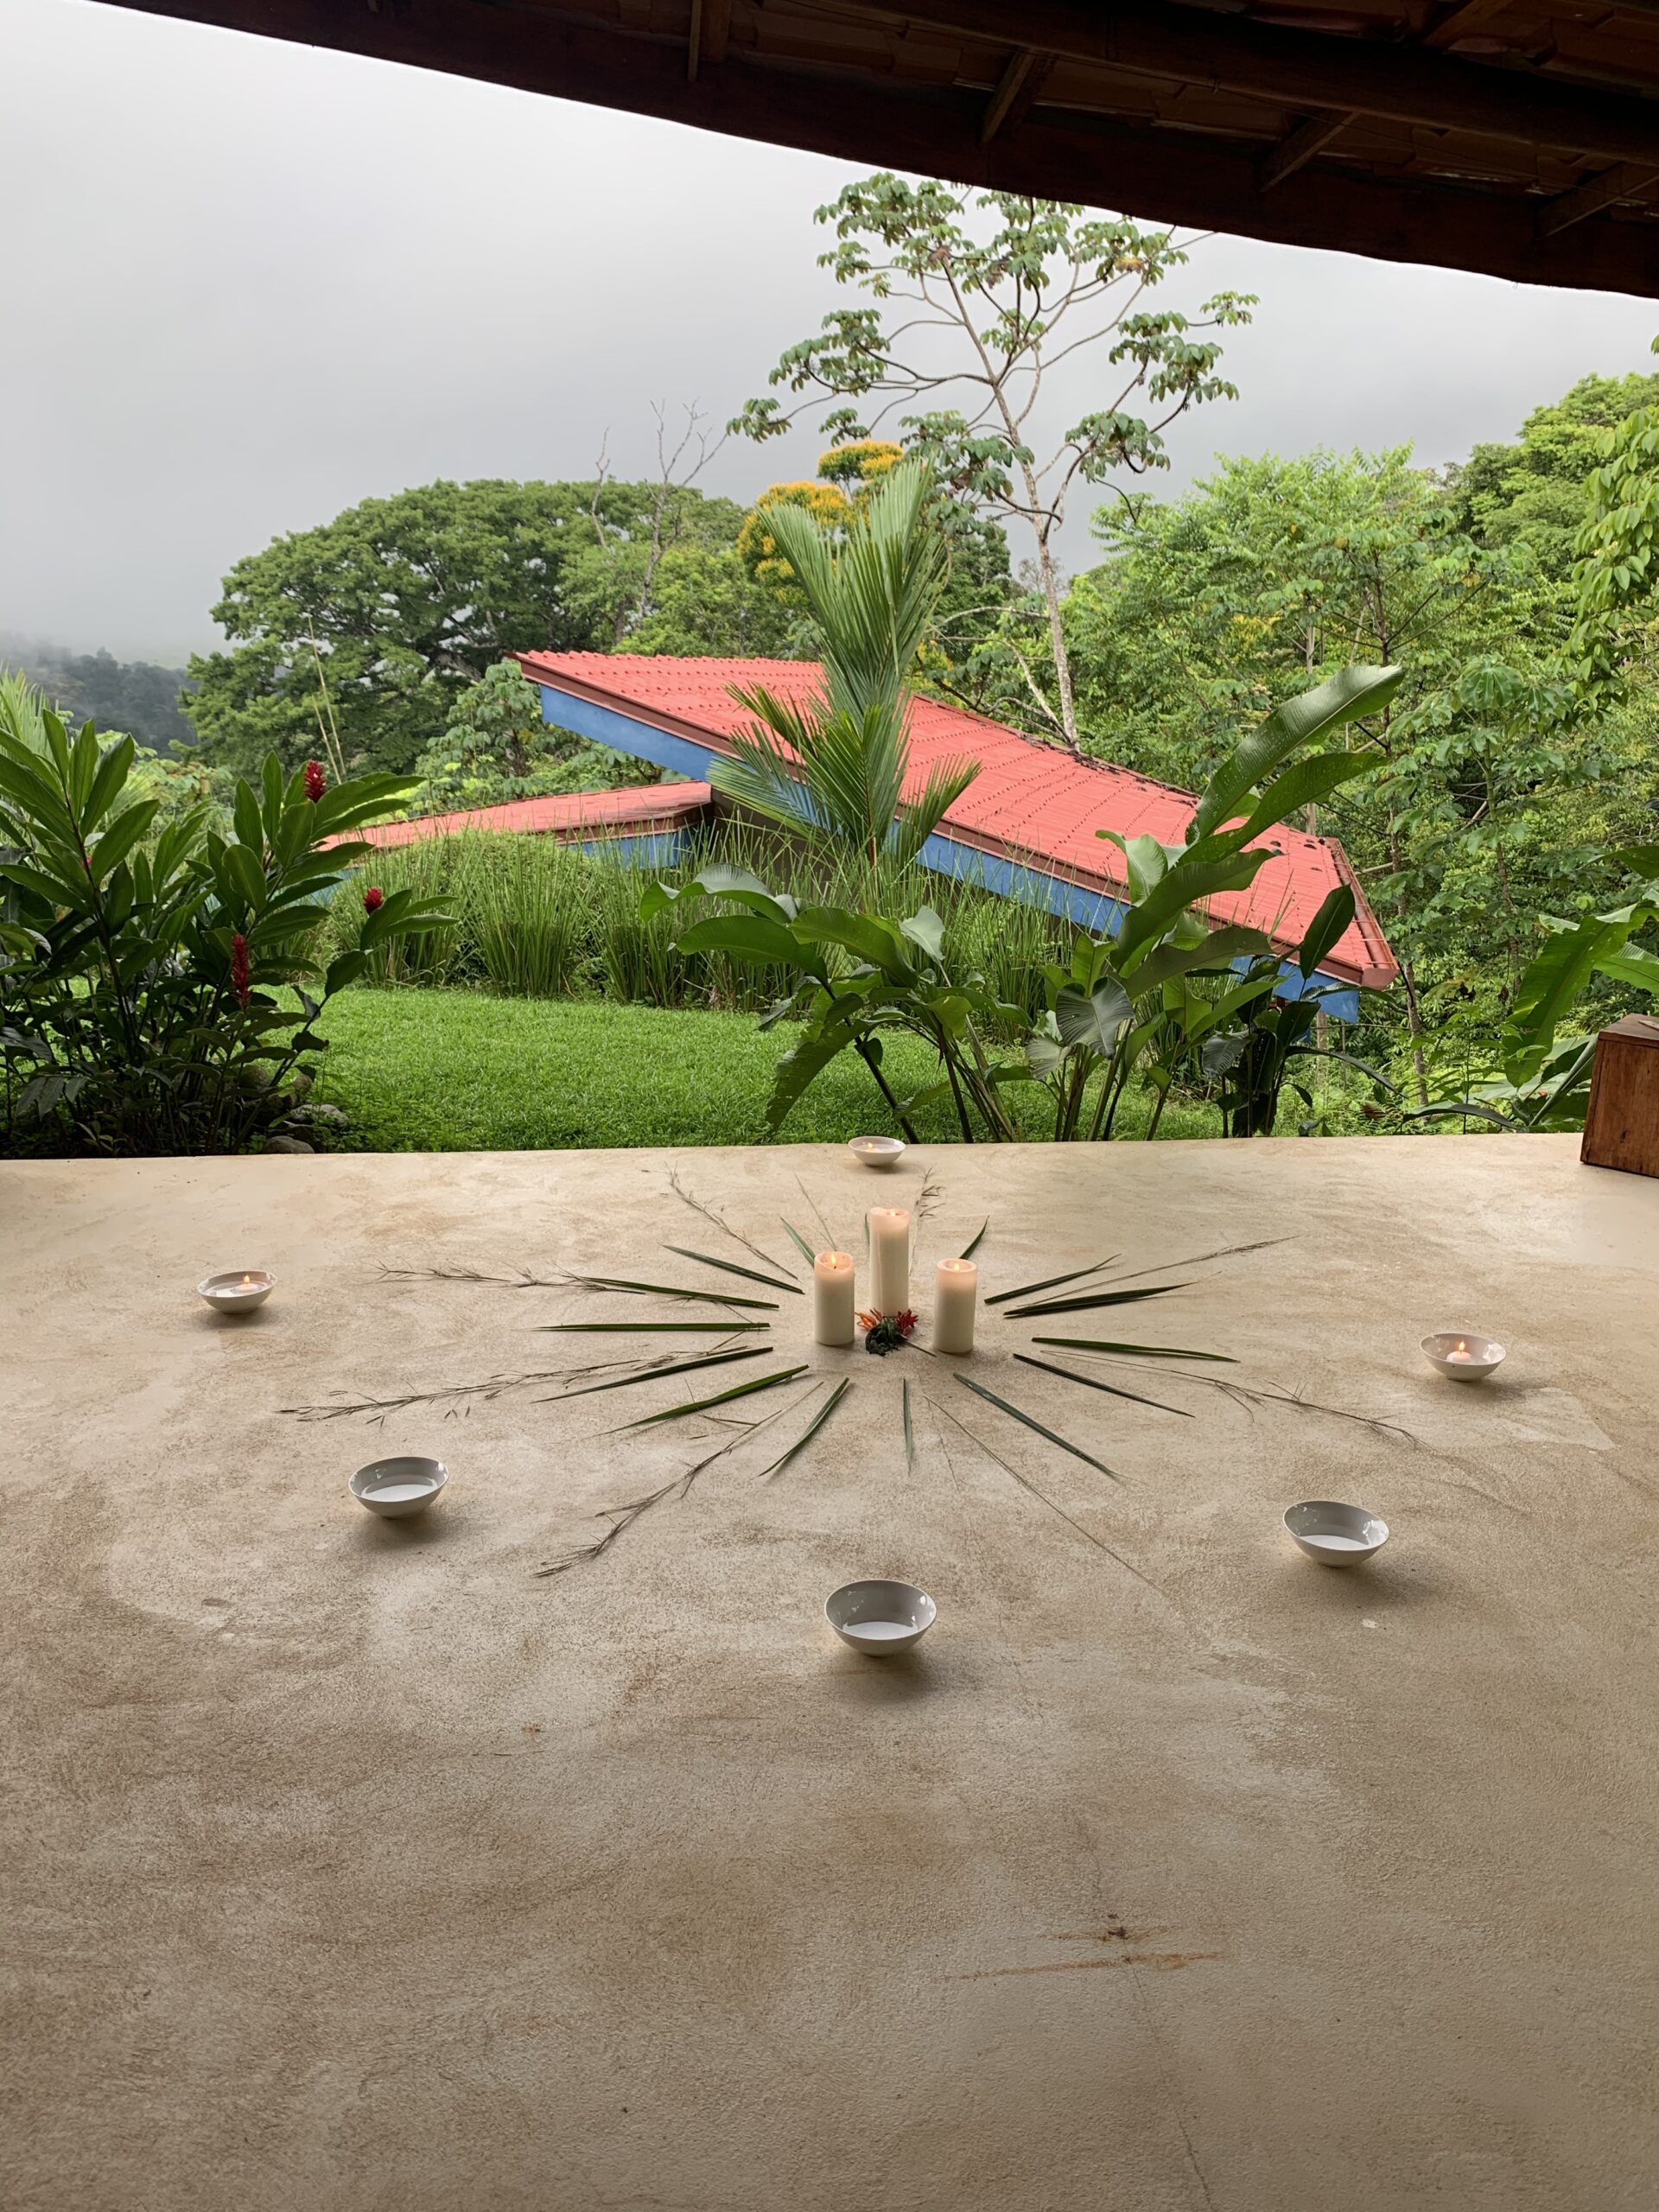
[
  {"x": 393, "y": 1488},
  {"x": 877, "y": 1152},
  {"x": 878, "y": 1619},
  {"x": 1336, "y": 1535},
  {"x": 1462, "y": 1356},
  {"x": 238, "y": 1290}
]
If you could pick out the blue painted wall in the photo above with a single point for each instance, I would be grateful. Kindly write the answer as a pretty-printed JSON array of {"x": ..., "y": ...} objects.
[{"x": 1091, "y": 910}]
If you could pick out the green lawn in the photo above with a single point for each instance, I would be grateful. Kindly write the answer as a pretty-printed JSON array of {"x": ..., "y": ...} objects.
[{"x": 456, "y": 1071}]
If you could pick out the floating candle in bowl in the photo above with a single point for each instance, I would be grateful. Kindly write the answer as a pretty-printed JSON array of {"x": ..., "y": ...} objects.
[
  {"x": 1464, "y": 1357},
  {"x": 396, "y": 1488},
  {"x": 889, "y": 1259},
  {"x": 1335, "y": 1534},
  {"x": 877, "y": 1152},
  {"x": 879, "y": 1618},
  {"x": 955, "y": 1294},
  {"x": 238, "y": 1291},
  {"x": 832, "y": 1299}
]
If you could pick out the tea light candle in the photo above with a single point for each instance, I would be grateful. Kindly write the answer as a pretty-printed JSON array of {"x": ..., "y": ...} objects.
[
  {"x": 956, "y": 1295},
  {"x": 832, "y": 1299},
  {"x": 889, "y": 1259},
  {"x": 240, "y": 1291},
  {"x": 1463, "y": 1357}
]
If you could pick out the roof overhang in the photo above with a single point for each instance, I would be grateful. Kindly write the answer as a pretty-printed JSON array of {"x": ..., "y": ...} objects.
[{"x": 1519, "y": 141}]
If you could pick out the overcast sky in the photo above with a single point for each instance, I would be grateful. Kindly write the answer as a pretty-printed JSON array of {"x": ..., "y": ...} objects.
[{"x": 246, "y": 284}]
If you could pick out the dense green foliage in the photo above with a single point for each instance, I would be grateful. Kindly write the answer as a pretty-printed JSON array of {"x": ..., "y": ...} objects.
[
  {"x": 1148, "y": 1003},
  {"x": 1500, "y": 828},
  {"x": 380, "y": 620},
  {"x": 156, "y": 981},
  {"x": 1501, "y": 788}
]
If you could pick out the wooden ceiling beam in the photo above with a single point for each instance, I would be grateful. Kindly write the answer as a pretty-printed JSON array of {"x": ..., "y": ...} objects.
[
  {"x": 1463, "y": 21},
  {"x": 1175, "y": 176},
  {"x": 1627, "y": 180},
  {"x": 1297, "y": 148},
  {"x": 1009, "y": 85},
  {"x": 1304, "y": 70}
]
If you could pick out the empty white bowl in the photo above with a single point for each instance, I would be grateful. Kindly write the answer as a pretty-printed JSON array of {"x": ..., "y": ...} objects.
[
  {"x": 392, "y": 1488},
  {"x": 878, "y": 1619},
  {"x": 238, "y": 1290},
  {"x": 877, "y": 1152},
  {"x": 1336, "y": 1535},
  {"x": 1463, "y": 1356}
]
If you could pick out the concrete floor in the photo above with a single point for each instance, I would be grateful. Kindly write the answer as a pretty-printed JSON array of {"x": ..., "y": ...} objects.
[{"x": 350, "y": 1868}]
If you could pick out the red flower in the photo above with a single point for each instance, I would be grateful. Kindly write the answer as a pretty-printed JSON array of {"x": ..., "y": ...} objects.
[
  {"x": 373, "y": 900},
  {"x": 885, "y": 1332},
  {"x": 315, "y": 782},
  {"x": 239, "y": 967}
]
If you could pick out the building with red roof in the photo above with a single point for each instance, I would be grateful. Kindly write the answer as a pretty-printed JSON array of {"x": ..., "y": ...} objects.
[{"x": 1025, "y": 827}]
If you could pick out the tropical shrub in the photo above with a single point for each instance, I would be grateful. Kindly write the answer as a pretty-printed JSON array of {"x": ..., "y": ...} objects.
[
  {"x": 158, "y": 992},
  {"x": 1142, "y": 1003},
  {"x": 833, "y": 769}
]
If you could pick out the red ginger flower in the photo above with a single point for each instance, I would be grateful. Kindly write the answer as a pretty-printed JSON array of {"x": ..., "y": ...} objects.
[
  {"x": 885, "y": 1332},
  {"x": 315, "y": 782},
  {"x": 239, "y": 967},
  {"x": 373, "y": 900}
]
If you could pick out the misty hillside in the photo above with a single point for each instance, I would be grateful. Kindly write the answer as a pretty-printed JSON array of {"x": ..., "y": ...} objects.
[{"x": 135, "y": 696}]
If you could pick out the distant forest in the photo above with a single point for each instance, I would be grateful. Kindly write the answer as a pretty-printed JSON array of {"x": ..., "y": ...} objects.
[{"x": 132, "y": 696}]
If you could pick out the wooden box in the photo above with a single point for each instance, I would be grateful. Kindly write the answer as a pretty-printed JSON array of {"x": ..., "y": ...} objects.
[{"x": 1622, "y": 1127}]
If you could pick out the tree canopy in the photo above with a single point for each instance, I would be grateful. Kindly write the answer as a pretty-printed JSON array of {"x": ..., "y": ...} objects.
[{"x": 383, "y": 617}]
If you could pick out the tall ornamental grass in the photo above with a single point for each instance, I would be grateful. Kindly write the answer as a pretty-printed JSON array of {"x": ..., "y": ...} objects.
[{"x": 535, "y": 919}]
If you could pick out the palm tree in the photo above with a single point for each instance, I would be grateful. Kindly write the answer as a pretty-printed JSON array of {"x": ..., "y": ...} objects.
[{"x": 835, "y": 767}]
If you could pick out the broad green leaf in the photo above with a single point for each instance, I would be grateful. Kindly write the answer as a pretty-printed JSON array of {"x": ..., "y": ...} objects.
[
  {"x": 746, "y": 936},
  {"x": 1325, "y": 928},
  {"x": 1302, "y": 785},
  {"x": 871, "y": 938},
  {"x": 1220, "y": 950},
  {"x": 1291, "y": 727},
  {"x": 120, "y": 837},
  {"x": 113, "y": 771},
  {"x": 1095, "y": 1021}
]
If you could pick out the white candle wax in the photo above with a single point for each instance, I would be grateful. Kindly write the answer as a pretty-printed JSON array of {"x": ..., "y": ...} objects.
[
  {"x": 832, "y": 1299},
  {"x": 955, "y": 1294},
  {"x": 889, "y": 1259}
]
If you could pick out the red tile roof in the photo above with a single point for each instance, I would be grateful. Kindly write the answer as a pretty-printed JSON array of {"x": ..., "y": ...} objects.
[
  {"x": 643, "y": 811},
  {"x": 1031, "y": 803}
]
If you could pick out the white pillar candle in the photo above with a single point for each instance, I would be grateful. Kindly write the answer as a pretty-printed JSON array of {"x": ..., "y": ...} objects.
[
  {"x": 889, "y": 1259},
  {"x": 955, "y": 1294},
  {"x": 832, "y": 1299}
]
